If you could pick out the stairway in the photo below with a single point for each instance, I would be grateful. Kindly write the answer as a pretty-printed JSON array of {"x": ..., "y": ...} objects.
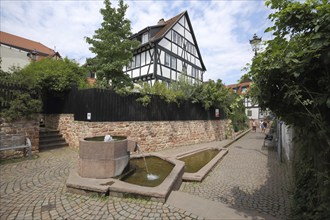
[{"x": 50, "y": 139}]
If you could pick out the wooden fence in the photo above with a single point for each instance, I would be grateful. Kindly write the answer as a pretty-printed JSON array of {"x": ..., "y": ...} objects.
[
  {"x": 8, "y": 92},
  {"x": 106, "y": 105}
]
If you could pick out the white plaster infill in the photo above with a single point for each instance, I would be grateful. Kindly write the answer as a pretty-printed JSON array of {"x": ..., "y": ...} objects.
[
  {"x": 201, "y": 173},
  {"x": 118, "y": 188}
]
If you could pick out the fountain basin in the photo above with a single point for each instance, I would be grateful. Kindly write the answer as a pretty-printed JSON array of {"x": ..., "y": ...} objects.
[
  {"x": 201, "y": 173},
  {"x": 119, "y": 188},
  {"x": 158, "y": 171},
  {"x": 101, "y": 160}
]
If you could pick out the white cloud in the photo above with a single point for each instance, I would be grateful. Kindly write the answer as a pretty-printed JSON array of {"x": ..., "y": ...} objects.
[{"x": 222, "y": 28}]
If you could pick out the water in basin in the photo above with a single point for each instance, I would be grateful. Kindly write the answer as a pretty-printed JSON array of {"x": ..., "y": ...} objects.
[
  {"x": 196, "y": 161},
  {"x": 158, "y": 169},
  {"x": 101, "y": 138}
]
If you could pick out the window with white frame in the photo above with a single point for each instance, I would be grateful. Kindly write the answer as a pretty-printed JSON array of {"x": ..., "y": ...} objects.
[
  {"x": 194, "y": 72},
  {"x": 173, "y": 62},
  {"x": 184, "y": 68},
  {"x": 174, "y": 36},
  {"x": 145, "y": 38},
  {"x": 170, "y": 61},
  {"x": 133, "y": 63},
  {"x": 167, "y": 59},
  {"x": 138, "y": 60},
  {"x": 179, "y": 40}
]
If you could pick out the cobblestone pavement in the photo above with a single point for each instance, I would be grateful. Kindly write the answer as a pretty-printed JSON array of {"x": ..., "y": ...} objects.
[
  {"x": 35, "y": 189},
  {"x": 249, "y": 177}
]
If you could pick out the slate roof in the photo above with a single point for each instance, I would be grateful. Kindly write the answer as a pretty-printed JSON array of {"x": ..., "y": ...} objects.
[{"x": 26, "y": 44}]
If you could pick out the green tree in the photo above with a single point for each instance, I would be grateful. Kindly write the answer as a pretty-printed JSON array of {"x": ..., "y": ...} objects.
[
  {"x": 51, "y": 76},
  {"x": 183, "y": 88},
  {"x": 17, "y": 101},
  {"x": 112, "y": 46},
  {"x": 212, "y": 94},
  {"x": 209, "y": 94},
  {"x": 22, "y": 106},
  {"x": 245, "y": 78},
  {"x": 292, "y": 79},
  {"x": 215, "y": 94}
]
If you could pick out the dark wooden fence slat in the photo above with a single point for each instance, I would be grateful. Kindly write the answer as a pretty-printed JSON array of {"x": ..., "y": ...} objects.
[{"x": 106, "y": 105}]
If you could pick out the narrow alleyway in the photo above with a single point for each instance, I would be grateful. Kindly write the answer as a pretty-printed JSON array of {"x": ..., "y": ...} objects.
[{"x": 248, "y": 178}]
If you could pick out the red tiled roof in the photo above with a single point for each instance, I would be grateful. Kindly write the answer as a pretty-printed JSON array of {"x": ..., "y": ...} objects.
[
  {"x": 238, "y": 87},
  {"x": 168, "y": 25},
  {"x": 25, "y": 44}
]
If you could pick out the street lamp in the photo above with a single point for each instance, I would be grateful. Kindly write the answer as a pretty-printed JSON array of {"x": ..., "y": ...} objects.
[{"x": 255, "y": 44}]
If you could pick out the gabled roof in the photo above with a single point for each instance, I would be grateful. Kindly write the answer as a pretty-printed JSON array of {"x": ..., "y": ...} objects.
[
  {"x": 165, "y": 27},
  {"x": 25, "y": 44},
  {"x": 238, "y": 87}
]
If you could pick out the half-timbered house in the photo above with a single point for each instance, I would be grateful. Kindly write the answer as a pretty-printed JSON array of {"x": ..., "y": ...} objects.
[{"x": 168, "y": 51}]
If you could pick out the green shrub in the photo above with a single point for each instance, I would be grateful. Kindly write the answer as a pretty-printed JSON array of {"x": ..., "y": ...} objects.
[{"x": 22, "y": 106}]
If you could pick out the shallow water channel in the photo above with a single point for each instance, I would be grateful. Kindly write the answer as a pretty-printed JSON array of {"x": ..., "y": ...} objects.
[
  {"x": 196, "y": 161},
  {"x": 101, "y": 138}
]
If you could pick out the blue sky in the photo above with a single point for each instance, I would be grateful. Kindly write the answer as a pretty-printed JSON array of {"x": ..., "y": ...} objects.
[{"x": 222, "y": 28}]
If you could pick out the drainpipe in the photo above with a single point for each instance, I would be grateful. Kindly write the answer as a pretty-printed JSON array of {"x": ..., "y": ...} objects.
[{"x": 280, "y": 141}]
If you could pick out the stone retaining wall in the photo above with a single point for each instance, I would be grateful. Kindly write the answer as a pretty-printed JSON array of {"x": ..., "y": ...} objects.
[
  {"x": 151, "y": 135},
  {"x": 29, "y": 127}
]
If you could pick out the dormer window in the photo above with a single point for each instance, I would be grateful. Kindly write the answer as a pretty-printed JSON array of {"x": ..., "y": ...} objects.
[
  {"x": 145, "y": 38},
  {"x": 33, "y": 55}
]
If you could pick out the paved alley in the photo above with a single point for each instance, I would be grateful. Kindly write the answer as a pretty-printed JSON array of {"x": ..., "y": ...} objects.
[{"x": 248, "y": 178}]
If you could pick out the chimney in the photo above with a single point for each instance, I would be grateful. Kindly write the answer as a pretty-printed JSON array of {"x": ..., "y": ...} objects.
[{"x": 161, "y": 21}]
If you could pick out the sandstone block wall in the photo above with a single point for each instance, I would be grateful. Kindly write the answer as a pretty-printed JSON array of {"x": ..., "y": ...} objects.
[{"x": 150, "y": 135}]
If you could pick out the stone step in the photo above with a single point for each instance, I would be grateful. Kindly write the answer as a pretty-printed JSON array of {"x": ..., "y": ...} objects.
[
  {"x": 48, "y": 132},
  {"x": 52, "y": 145},
  {"x": 50, "y": 139}
]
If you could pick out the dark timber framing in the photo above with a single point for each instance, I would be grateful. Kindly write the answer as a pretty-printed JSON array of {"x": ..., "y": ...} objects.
[{"x": 170, "y": 52}]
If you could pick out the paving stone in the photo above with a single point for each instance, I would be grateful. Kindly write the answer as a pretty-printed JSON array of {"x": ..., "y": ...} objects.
[{"x": 248, "y": 177}]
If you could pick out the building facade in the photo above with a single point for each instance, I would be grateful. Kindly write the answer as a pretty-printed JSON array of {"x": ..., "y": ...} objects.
[
  {"x": 17, "y": 51},
  {"x": 168, "y": 52},
  {"x": 252, "y": 109}
]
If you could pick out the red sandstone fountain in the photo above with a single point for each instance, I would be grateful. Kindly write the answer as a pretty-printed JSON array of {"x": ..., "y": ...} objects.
[
  {"x": 101, "y": 164},
  {"x": 104, "y": 159}
]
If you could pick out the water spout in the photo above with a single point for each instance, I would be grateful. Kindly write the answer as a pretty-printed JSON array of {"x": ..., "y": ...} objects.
[
  {"x": 149, "y": 175},
  {"x": 107, "y": 138}
]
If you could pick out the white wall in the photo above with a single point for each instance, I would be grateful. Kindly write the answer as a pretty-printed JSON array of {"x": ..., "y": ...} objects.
[
  {"x": 255, "y": 112},
  {"x": 12, "y": 57},
  {"x": 286, "y": 141}
]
